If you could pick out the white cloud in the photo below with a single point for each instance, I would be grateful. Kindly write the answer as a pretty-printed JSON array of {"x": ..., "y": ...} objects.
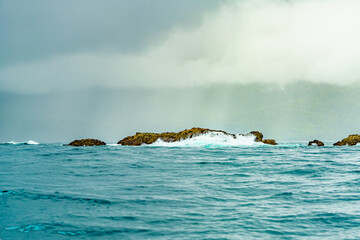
[{"x": 244, "y": 42}]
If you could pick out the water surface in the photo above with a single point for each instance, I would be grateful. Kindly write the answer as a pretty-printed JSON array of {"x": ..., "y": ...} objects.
[{"x": 291, "y": 191}]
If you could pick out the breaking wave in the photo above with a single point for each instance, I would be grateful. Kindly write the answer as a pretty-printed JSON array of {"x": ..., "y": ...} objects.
[
  {"x": 212, "y": 139},
  {"x": 30, "y": 142},
  {"x": 112, "y": 144}
]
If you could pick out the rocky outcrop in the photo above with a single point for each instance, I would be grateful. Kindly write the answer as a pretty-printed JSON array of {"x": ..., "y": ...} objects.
[
  {"x": 316, "y": 142},
  {"x": 86, "y": 142},
  {"x": 351, "y": 140},
  {"x": 149, "y": 138}
]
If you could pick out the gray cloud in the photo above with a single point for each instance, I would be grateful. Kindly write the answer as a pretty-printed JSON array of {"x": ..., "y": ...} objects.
[
  {"x": 278, "y": 42},
  {"x": 39, "y": 29}
]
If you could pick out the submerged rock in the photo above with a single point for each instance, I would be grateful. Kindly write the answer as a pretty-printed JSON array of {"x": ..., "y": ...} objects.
[
  {"x": 149, "y": 138},
  {"x": 317, "y": 142},
  {"x": 351, "y": 140},
  {"x": 86, "y": 142}
]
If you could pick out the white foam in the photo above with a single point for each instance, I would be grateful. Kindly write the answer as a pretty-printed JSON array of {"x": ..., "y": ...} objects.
[
  {"x": 30, "y": 142},
  {"x": 112, "y": 144},
  {"x": 211, "y": 140}
]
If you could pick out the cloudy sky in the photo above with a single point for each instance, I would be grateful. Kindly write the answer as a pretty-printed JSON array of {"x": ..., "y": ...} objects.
[{"x": 106, "y": 69}]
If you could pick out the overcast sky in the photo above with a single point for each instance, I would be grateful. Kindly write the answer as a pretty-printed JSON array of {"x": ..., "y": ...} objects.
[{"x": 65, "y": 50}]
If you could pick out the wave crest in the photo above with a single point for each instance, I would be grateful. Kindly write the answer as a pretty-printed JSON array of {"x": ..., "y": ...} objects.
[{"x": 30, "y": 142}]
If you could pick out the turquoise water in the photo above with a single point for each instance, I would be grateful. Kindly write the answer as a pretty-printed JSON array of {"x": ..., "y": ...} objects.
[{"x": 50, "y": 191}]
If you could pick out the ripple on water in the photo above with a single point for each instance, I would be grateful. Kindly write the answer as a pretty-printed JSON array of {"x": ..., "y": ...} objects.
[
  {"x": 54, "y": 197},
  {"x": 28, "y": 228}
]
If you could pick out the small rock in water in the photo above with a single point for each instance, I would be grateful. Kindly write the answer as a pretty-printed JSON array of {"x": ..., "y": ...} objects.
[
  {"x": 87, "y": 142},
  {"x": 317, "y": 142},
  {"x": 269, "y": 141}
]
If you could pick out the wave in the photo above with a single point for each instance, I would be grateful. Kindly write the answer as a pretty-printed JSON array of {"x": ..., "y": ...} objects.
[
  {"x": 211, "y": 140},
  {"x": 113, "y": 144},
  {"x": 30, "y": 142}
]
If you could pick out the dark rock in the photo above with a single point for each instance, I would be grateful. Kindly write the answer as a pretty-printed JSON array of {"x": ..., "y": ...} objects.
[
  {"x": 351, "y": 140},
  {"x": 317, "y": 142},
  {"x": 259, "y": 136},
  {"x": 149, "y": 138},
  {"x": 269, "y": 141},
  {"x": 87, "y": 142}
]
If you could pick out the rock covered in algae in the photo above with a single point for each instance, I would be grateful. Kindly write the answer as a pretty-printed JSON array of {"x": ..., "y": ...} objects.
[
  {"x": 269, "y": 141},
  {"x": 86, "y": 142},
  {"x": 351, "y": 140},
  {"x": 317, "y": 142},
  {"x": 259, "y": 136},
  {"x": 149, "y": 138}
]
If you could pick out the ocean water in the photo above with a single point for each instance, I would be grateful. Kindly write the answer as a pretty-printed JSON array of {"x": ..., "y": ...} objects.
[{"x": 200, "y": 191}]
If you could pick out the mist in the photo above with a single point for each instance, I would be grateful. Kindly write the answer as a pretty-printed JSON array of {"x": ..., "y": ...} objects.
[
  {"x": 287, "y": 68},
  {"x": 298, "y": 112}
]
